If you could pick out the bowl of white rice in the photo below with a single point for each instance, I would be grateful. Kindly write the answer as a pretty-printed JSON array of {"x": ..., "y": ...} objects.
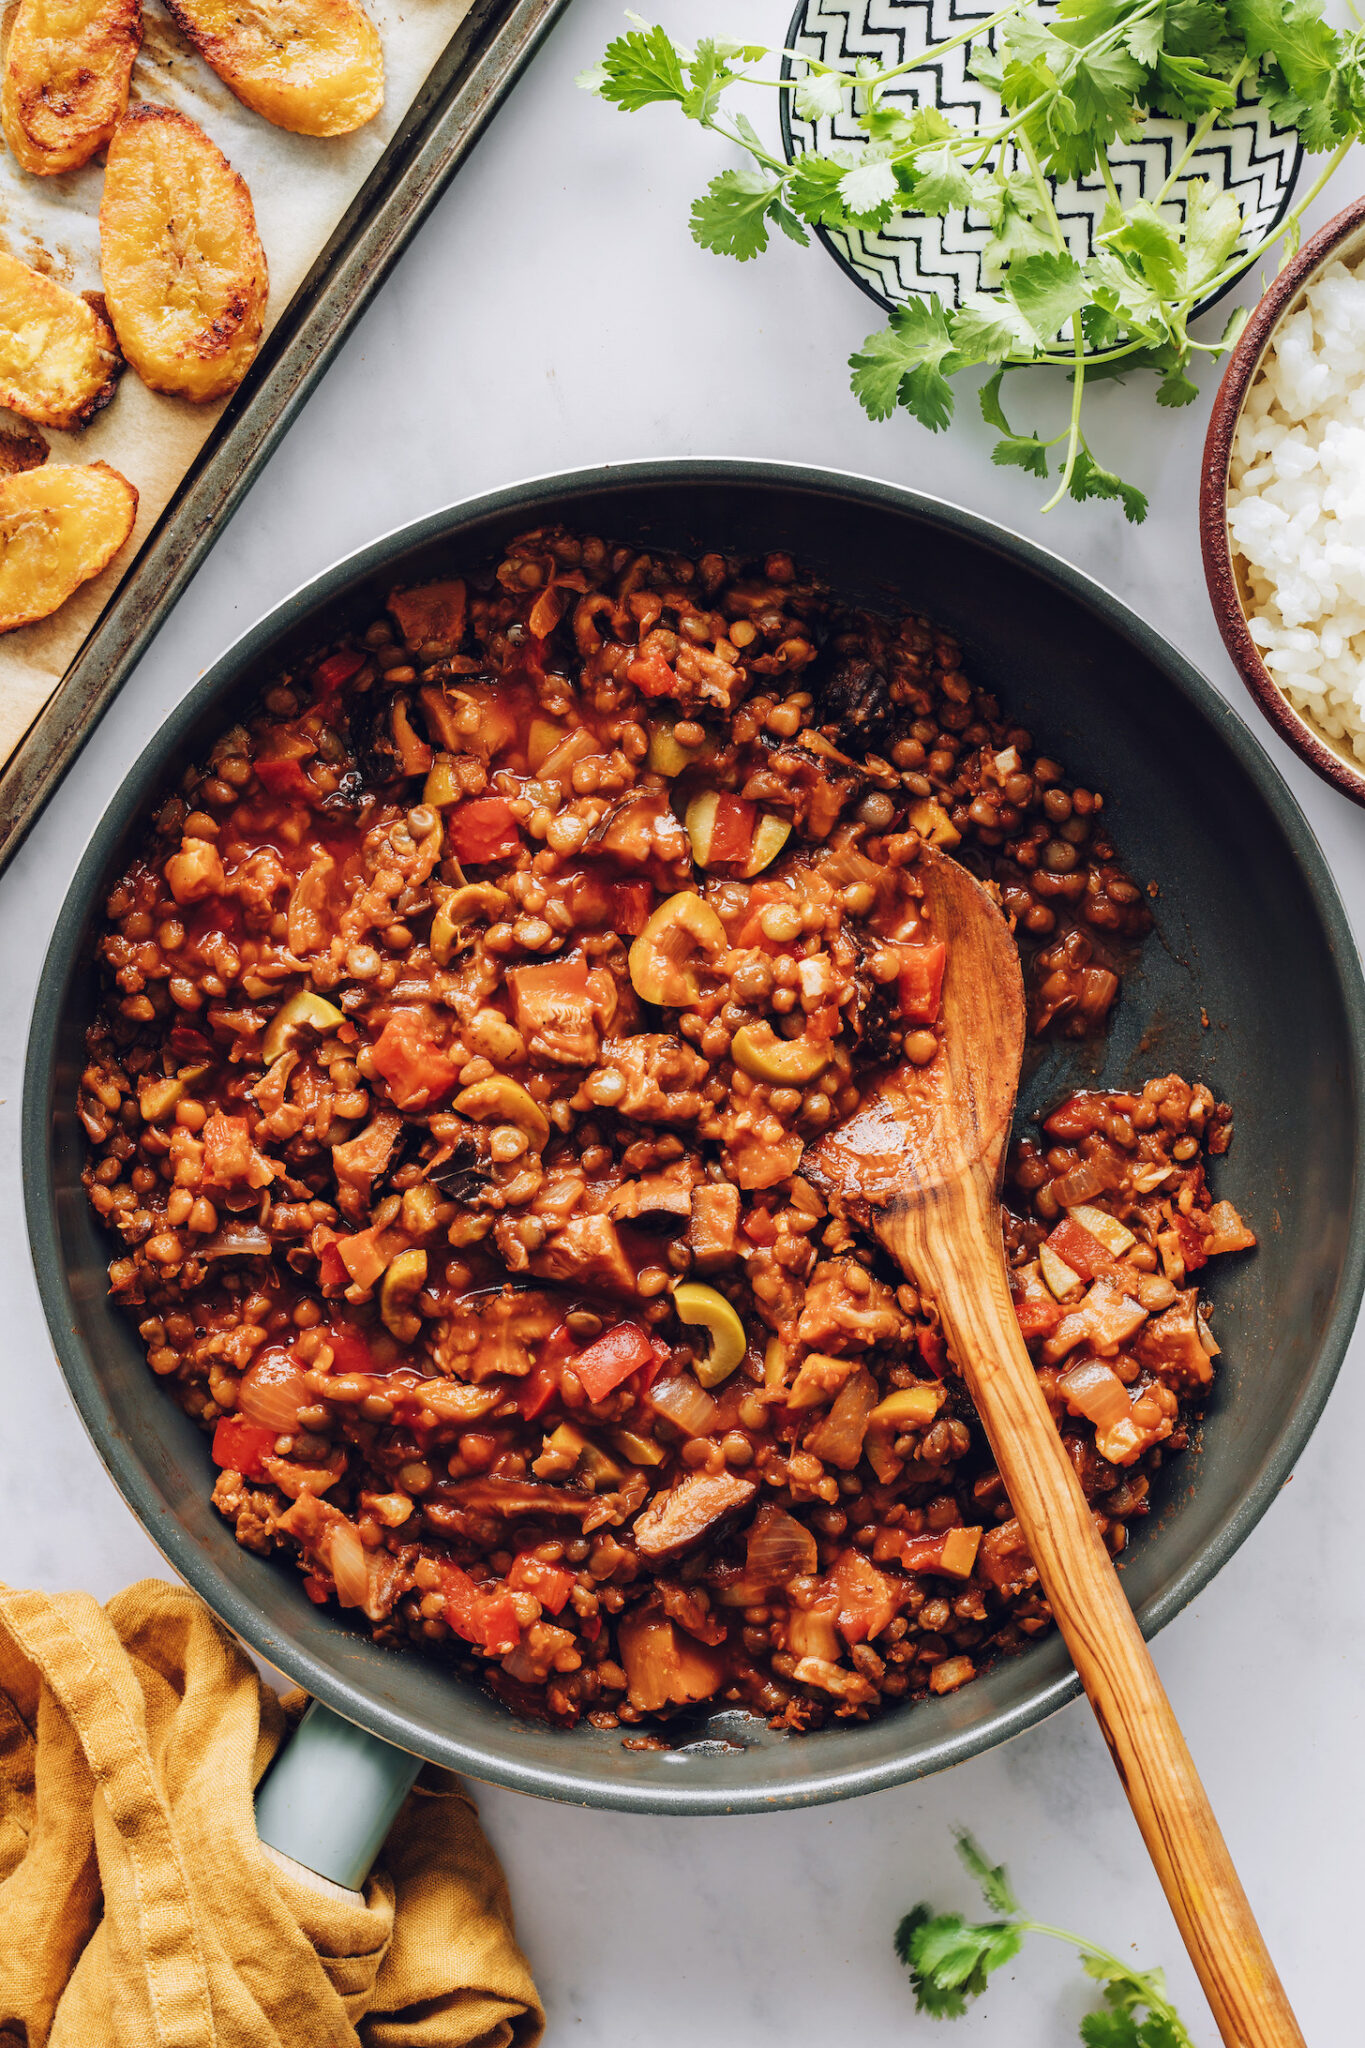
[{"x": 1282, "y": 503}]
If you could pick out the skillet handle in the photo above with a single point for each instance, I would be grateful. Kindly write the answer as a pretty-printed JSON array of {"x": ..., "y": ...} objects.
[{"x": 331, "y": 1796}]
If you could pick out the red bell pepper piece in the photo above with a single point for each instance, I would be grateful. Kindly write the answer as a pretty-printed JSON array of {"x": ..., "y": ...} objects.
[
  {"x": 629, "y": 906},
  {"x": 921, "y": 981},
  {"x": 534, "y": 1394},
  {"x": 1080, "y": 1249},
  {"x": 285, "y": 778},
  {"x": 611, "y": 1358},
  {"x": 331, "y": 1270},
  {"x": 732, "y": 829},
  {"x": 350, "y": 1351},
  {"x": 187, "y": 1045},
  {"x": 550, "y": 1584},
  {"x": 1077, "y": 1117},
  {"x": 1191, "y": 1245},
  {"x": 482, "y": 829},
  {"x": 933, "y": 1350},
  {"x": 1037, "y": 1318},
  {"x": 651, "y": 673},
  {"x": 921, "y": 1553},
  {"x": 417, "y": 1071},
  {"x": 239, "y": 1446},
  {"x": 486, "y": 1618},
  {"x": 329, "y": 675}
]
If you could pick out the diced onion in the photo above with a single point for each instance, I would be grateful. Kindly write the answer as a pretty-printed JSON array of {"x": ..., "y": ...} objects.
[
  {"x": 347, "y": 1564},
  {"x": 236, "y": 1241},
  {"x": 1081, "y": 1184},
  {"x": 779, "y": 1548},
  {"x": 685, "y": 1403},
  {"x": 1095, "y": 1391},
  {"x": 273, "y": 1392}
]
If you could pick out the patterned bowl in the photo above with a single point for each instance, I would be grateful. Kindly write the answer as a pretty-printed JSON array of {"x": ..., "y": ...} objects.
[{"x": 1246, "y": 154}]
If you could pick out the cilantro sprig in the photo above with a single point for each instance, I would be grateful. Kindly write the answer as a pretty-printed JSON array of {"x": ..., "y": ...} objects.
[
  {"x": 1073, "y": 80},
  {"x": 950, "y": 1960}
]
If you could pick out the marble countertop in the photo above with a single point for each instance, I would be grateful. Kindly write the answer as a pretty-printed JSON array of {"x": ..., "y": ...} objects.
[{"x": 554, "y": 312}]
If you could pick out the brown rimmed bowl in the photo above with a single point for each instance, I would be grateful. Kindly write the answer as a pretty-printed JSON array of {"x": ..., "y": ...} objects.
[
  {"x": 1246, "y": 909},
  {"x": 1343, "y": 237}
]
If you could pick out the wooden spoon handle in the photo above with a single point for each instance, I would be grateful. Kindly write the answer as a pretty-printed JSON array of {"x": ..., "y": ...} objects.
[{"x": 951, "y": 1243}]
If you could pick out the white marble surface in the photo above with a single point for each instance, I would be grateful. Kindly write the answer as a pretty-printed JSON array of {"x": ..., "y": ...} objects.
[{"x": 555, "y": 312}]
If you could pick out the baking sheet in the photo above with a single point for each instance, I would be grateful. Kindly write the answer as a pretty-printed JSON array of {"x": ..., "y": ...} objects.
[{"x": 300, "y": 186}]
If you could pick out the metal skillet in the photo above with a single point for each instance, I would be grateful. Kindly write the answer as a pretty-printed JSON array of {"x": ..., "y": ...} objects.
[{"x": 1247, "y": 914}]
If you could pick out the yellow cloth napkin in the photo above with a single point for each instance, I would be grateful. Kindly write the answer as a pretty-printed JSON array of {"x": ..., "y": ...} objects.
[{"x": 137, "y": 1906}]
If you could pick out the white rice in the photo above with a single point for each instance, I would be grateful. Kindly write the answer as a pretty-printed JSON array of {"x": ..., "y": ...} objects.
[{"x": 1296, "y": 506}]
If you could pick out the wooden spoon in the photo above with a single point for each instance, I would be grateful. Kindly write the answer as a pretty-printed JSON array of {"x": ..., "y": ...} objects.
[{"x": 923, "y": 1157}]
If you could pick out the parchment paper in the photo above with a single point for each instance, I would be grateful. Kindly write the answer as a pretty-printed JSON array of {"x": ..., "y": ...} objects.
[{"x": 300, "y": 187}]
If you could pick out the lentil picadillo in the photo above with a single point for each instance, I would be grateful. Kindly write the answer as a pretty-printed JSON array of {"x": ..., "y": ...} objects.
[{"x": 466, "y": 1016}]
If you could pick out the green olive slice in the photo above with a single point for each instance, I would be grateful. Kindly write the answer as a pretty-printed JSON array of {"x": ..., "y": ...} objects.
[{"x": 698, "y": 1303}]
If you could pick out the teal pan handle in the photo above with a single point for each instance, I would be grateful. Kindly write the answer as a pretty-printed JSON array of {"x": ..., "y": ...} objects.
[{"x": 331, "y": 1796}]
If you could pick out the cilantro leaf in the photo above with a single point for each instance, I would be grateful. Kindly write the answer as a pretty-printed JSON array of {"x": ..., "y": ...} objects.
[
  {"x": 748, "y": 134},
  {"x": 642, "y": 67},
  {"x": 950, "y": 1960},
  {"x": 1176, "y": 388},
  {"x": 1292, "y": 33},
  {"x": 1163, "y": 2030},
  {"x": 820, "y": 95},
  {"x": 907, "y": 1928},
  {"x": 1185, "y": 87},
  {"x": 813, "y": 190},
  {"x": 886, "y": 123},
  {"x": 1175, "y": 266},
  {"x": 1101, "y": 89},
  {"x": 1231, "y": 334},
  {"x": 709, "y": 74},
  {"x": 1130, "y": 302},
  {"x": 1143, "y": 39},
  {"x": 1089, "y": 480},
  {"x": 732, "y": 218},
  {"x": 1015, "y": 233},
  {"x": 1047, "y": 288},
  {"x": 986, "y": 330},
  {"x": 1110, "y": 2030},
  {"x": 1213, "y": 225},
  {"x": 1314, "y": 119},
  {"x": 992, "y": 1877},
  {"x": 869, "y": 188},
  {"x": 987, "y": 68},
  {"x": 1154, "y": 243},
  {"x": 941, "y": 182},
  {"x": 900, "y": 365},
  {"x": 992, "y": 411},
  {"x": 791, "y": 227},
  {"x": 1021, "y": 452}
]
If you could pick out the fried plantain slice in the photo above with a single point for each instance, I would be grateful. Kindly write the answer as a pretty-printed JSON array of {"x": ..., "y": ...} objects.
[
  {"x": 184, "y": 271},
  {"x": 313, "y": 66},
  {"x": 59, "y": 361},
  {"x": 58, "y": 528},
  {"x": 66, "y": 79}
]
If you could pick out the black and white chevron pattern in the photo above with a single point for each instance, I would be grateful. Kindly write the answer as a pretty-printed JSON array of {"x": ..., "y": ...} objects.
[{"x": 1246, "y": 151}]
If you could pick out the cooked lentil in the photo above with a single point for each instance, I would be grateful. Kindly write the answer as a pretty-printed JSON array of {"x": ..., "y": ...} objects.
[{"x": 466, "y": 1016}]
